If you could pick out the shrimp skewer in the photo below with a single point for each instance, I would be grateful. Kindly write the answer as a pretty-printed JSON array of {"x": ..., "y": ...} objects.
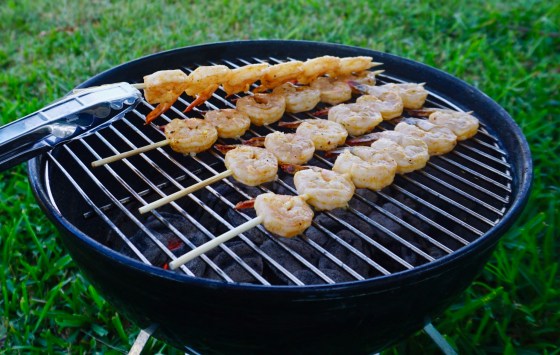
[
  {"x": 413, "y": 95},
  {"x": 326, "y": 135},
  {"x": 357, "y": 119},
  {"x": 463, "y": 124},
  {"x": 298, "y": 98},
  {"x": 439, "y": 139},
  {"x": 262, "y": 109},
  {"x": 188, "y": 136},
  {"x": 326, "y": 189},
  {"x": 283, "y": 215}
]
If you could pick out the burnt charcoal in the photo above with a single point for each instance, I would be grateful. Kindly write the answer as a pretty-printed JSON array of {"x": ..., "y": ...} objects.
[
  {"x": 168, "y": 238},
  {"x": 237, "y": 272},
  {"x": 316, "y": 235},
  {"x": 327, "y": 222},
  {"x": 345, "y": 255},
  {"x": 254, "y": 234},
  {"x": 308, "y": 277},
  {"x": 354, "y": 221},
  {"x": 302, "y": 248},
  {"x": 282, "y": 257}
]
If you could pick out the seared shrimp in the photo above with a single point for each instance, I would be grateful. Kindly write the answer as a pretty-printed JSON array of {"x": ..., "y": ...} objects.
[
  {"x": 413, "y": 95},
  {"x": 463, "y": 124},
  {"x": 365, "y": 168},
  {"x": 326, "y": 135},
  {"x": 326, "y": 189},
  {"x": 415, "y": 151},
  {"x": 203, "y": 82},
  {"x": 230, "y": 123},
  {"x": 279, "y": 74},
  {"x": 351, "y": 65},
  {"x": 191, "y": 135},
  {"x": 332, "y": 91},
  {"x": 389, "y": 104},
  {"x": 240, "y": 79},
  {"x": 357, "y": 119},
  {"x": 251, "y": 166},
  {"x": 164, "y": 86},
  {"x": 314, "y": 68},
  {"x": 439, "y": 139},
  {"x": 290, "y": 148},
  {"x": 284, "y": 215},
  {"x": 298, "y": 98},
  {"x": 262, "y": 109}
]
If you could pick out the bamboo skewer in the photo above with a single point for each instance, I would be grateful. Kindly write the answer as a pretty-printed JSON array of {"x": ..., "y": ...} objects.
[
  {"x": 184, "y": 192},
  {"x": 129, "y": 153}
]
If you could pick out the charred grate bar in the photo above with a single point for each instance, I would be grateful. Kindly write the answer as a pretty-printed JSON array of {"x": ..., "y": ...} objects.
[{"x": 421, "y": 217}]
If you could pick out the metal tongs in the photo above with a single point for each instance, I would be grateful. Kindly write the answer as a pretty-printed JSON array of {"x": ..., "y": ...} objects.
[{"x": 76, "y": 115}]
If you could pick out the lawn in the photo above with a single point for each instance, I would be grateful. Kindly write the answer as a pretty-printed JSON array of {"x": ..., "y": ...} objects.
[{"x": 509, "y": 50}]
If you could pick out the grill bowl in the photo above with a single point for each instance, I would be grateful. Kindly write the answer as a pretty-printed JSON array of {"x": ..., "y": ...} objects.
[{"x": 212, "y": 316}]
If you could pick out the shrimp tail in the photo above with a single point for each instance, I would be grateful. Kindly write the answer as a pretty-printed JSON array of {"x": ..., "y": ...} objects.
[
  {"x": 255, "y": 142},
  {"x": 159, "y": 110},
  {"x": 334, "y": 152},
  {"x": 362, "y": 88},
  {"x": 202, "y": 97},
  {"x": 423, "y": 112},
  {"x": 245, "y": 204},
  {"x": 322, "y": 112},
  {"x": 292, "y": 168},
  {"x": 293, "y": 124},
  {"x": 366, "y": 139},
  {"x": 224, "y": 148}
]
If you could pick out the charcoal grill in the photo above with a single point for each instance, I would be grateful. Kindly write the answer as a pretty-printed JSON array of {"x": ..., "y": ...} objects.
[{"x": 361, "y": 280}]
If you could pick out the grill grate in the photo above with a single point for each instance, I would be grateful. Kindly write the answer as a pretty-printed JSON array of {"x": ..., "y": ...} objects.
[{"x": 421, "y": 217}]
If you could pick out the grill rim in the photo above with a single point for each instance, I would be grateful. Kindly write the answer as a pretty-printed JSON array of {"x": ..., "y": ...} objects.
[{"x": 521, "y": 167}]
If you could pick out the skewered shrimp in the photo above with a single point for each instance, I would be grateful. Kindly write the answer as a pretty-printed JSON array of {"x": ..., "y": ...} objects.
[
  {"x": 316, "y": 67},
  {"x": 415, "y": 150},
  {"x": 389, "y": 104},
  {"x": 332, "y": 91},
  {"x": 413, "y": 95},
  {"x": 439, "y": 139},
  {"x": 279, "y": 74},
  {"x": 229, "y": 123},
  {"x": 191, "y": 135},
  {"x": 290, "y": 148},
  {"x": 204, "y": 81},
  {"x": 326, "y": 135},
  {"x": 298, "y": 98},
  {"x": 251, "y": 166},
  {"x": 366, "y": 168},
  {"x": 163, "y": 88},
  {"x": 350, "y": 65},
  {"x": 463, "y": 124},
  {"x": 284, "y": 215},
  {"x": 240, "y": 79},
  {"x": 357, "y": 119},
  {"x": 262, "y": 109},
  {"x": 326, "y": 189}
]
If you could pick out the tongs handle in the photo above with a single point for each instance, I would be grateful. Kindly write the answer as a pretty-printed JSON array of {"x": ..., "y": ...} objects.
[{"x": 75, "y": 115}]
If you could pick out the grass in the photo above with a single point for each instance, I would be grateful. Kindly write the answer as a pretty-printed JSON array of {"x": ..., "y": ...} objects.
[{"x": 508, "y": 50}]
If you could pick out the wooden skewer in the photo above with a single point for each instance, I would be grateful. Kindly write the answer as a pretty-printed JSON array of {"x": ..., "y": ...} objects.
[
  {"x": 184, "y": 192},
  {"x": 129, "y": 153},
  {"x": 185, "y": 258}
]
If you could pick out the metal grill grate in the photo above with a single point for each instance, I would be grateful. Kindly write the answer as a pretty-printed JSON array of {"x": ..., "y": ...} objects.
[{"x": 421, "y": 217}]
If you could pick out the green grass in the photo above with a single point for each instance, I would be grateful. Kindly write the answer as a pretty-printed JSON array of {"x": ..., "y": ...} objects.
[{"x": 508, "y": 50}]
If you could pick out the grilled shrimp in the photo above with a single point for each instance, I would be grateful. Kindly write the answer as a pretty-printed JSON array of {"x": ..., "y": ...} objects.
[
  {"x": 262, "y": 109},
  {"x": 415, "y": 151},
  {"x": 326, "y": 189},
  {"x": 164, "y": 86},
  {"x": 251, "y": 166},
  {"x": 203, "y": 81},
  {"x": 413, "y": 95},
  {"x": 326, "y": 135},
  {"x": 191, "y": 135},
  {"x": 284, "y": 215},
  {"x": 350, "y": 65},
  {"x": 366, "y": 168},
  {"x": 298, "y": 98},
  {"x": 316, "y": 67},
  {"x": 357, "y": 119},
  {"x": 240, "y": 79},
  {"x": 230, "y": 123},
  {"x": 463, "y": 124},
  {"x": 332, "y": 91},
  {"x": 389, "y": 104},
  {"x": 290, "y": 148},
  {"x": 278, "y": 74},
  {"x": 439, "y": 139}
]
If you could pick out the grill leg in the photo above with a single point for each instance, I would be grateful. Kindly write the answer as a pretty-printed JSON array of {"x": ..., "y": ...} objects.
[{"x": 440, "y": 341}]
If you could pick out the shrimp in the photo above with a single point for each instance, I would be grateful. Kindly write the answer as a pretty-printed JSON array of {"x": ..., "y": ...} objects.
[
  {"x": 279, "y": 74},
  {"x": 326, "y": 135},
  {"x": 230, "y": 123},
  {"x": 262, "y": 109},
  {"x": 366, "y": 168},
  {"x": 290, "y": 148},
  {"x": 413, "y": 95},
  {"x": 298, "y": 98},
  {"x": 357, "y": 119},
  {"x": 240, "y": 79},
  {"x": 251, "y": 166},
  {"x": 164, "y": 88},
  {"x": 389, "y": 104},
  {"x": 204, "y": 81},
  {"x": 463, "y": 124},
  {"x": 316, "y": 67},
  {"x": 191, "y": 135},
  {"x": 332, "y": 91},
  {"x": 349, "y": 65},
  {"x": 439, "y": 139},
  {"x": 415, "y": 150},
  {"x": 326, "y": 189},
  {"x": 284, "y": 215}
]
